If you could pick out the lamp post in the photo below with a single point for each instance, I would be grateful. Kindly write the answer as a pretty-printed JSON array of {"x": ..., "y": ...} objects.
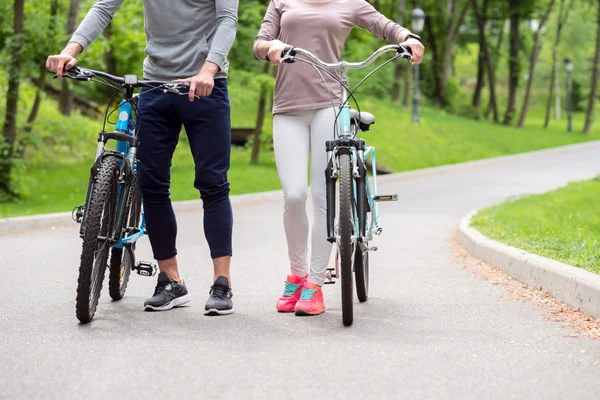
[
  {"x": 417, "y": 22},
  {"x": 569, "y": 69}
]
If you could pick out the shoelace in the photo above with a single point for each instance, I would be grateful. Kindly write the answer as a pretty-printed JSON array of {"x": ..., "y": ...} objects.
[
  {"x": 307, "y": 294},
  {"x": 290, "y": 289},
  {"x": 220, "y": 292}
]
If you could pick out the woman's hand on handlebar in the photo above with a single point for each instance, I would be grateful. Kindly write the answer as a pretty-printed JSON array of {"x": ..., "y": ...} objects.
[
  {"x": 417, "y": 50},
  {"x": 275, "y": 52}
]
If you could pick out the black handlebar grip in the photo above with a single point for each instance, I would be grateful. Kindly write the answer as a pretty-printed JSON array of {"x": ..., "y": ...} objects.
[
  {"x": 404, "y": 49},
  {"x": 287, "y": 51}
]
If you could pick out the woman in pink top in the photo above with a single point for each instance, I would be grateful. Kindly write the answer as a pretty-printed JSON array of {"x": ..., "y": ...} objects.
[{"x": 303, "y": 121}]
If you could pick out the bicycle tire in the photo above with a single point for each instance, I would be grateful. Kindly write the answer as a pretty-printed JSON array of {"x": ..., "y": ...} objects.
[
  {"x": 121, "y": 262},
  {"x": 346, "y": 231},
  {"x": 94, "y": 254}
]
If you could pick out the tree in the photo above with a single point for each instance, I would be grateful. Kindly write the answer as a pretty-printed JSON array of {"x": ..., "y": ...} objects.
[
  {"x": 260, "y": 116},
  {"x": 481, "y": 17},
  {"x": 595, "y": 74},
  {"x": 443, "y": 25},
  {"x": 562, "y": 18},
  {"x": 486, "y": 58},
  {"x": 532, "y": 62},
  {"x": 66, "y": 96},
  {"x": 498, "y": 27},
  {"x": 514, "y": 67},
  {"x": 9, "y": 130}
]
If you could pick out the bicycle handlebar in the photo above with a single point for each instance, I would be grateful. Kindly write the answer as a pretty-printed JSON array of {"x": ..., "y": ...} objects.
[
  {"x": 289, "y": 53},
  {"x": 82, "y": 74}
]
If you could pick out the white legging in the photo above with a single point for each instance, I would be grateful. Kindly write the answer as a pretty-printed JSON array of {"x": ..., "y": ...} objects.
[{"x": 295, "y": 135}]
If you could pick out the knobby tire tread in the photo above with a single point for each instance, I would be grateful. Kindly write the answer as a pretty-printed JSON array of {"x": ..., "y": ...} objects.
[{"x": 100, "y": 196}]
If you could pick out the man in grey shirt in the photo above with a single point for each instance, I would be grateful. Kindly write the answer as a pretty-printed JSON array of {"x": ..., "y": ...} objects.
[{"x": 186, "y": 41}]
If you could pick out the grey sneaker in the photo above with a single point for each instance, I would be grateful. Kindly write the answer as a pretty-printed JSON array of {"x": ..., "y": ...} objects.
[
  {"x": 219, "y": 302},
  {"x": 167, "y": 294}
]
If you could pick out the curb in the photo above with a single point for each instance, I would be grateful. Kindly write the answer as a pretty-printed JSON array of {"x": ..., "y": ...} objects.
[
  {"x": 574, "y": 286},
  {"x": 20, "y": 225}
]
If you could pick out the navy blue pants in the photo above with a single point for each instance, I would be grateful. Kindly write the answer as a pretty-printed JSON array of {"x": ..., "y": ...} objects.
[{"x": 208, "y": 127}]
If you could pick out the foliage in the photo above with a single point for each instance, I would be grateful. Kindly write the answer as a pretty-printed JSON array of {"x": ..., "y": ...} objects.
[{"x": 562, "y": 224}]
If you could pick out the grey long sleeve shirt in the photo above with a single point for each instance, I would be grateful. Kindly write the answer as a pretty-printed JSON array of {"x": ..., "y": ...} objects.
[{"x": 180, "y": 34}]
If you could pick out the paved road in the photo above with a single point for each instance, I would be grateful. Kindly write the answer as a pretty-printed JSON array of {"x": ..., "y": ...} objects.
[{"x": 430, "y": 329}]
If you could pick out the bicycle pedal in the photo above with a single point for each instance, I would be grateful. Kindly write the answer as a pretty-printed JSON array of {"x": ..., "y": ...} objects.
[
  {"x": 77, "y": 214},
  {"x": 329, "y": 276},
  {"x": 387, "y": 197},
  {"x": 145, "y": 268}
]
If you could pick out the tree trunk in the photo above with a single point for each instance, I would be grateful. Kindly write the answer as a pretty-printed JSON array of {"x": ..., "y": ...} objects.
[
  {"x": 513, "y": 71},
  {"x": 492, "y": 81},
  {"x": 260, "y": 118},
  {"x": 66, "y": 97},
  {"x": 21, "y": 144},
  {"x": 399, "y": 66},
  {"x": 532, "y": 62},
  {"x": 590, "y": 112},
  {"x": 481, "y": 61},
  {"x": 442, "y": 34},
  {"x": 479, "y": 16},
  {"x": 562, "y": 15},
  {"x": 9, "y": 130}
]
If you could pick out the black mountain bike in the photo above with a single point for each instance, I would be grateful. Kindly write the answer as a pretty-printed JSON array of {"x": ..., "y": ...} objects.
[{"x": 111, "y": 218}]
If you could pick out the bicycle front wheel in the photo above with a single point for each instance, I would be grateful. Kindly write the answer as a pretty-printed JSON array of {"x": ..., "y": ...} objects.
[
  {"x": 97, "y": 239},
  {"x": 123, "y": 259},
  {"x": 346, "y": 240}
]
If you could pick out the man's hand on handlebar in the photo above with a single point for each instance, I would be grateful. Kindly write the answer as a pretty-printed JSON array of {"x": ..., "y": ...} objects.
[
  {"x": 202, "y": 84},
  {"x": 60, "y": 63},
  {"x": 65, "y": 60}
]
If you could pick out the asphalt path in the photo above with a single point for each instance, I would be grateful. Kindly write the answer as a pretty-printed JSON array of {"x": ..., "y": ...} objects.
[{"x": 431, "y": 328}]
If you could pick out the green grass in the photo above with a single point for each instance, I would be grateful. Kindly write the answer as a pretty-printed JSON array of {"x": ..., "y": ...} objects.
[
  {"x": 442, "y": 138},
  {"x": 61, "y": 187},
  {"x": 55, "y": 176},
  {"x": 562, "y": 224}
]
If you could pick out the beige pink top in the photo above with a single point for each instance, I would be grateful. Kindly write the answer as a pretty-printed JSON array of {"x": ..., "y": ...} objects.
[{"x": 321, "y": 28}]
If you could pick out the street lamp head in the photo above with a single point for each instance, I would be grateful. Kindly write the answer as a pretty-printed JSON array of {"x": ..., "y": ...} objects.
[
  {"x": 534, "y": 24},
  {"x": 569, "y": 64},
  {"x": 417, "y": 21}
]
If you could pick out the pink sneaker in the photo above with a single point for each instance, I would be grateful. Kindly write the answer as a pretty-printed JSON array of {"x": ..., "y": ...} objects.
[
  {"x": 311, "y": 300},
  {"x": 291, "y": 293}
]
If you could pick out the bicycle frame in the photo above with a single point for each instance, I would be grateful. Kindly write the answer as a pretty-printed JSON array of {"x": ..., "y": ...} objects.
[
  {"x": 363, "y": 190},
  {"x": 125, "y": 135},
  {"x": 126, "y": 124}
]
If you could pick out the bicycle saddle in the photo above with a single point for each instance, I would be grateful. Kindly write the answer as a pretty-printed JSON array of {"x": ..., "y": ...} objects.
[{"x": 366, "y": 119}]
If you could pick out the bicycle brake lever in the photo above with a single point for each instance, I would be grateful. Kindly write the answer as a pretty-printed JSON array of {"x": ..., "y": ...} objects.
[{"x": 405, "y": 52}]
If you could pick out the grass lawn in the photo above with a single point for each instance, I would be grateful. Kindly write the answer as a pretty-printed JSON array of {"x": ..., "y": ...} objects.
[
  {"x": 61, "y": 187},
  {"x": 562, "y": 224},
  {"x": 55, "y": 176}
]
